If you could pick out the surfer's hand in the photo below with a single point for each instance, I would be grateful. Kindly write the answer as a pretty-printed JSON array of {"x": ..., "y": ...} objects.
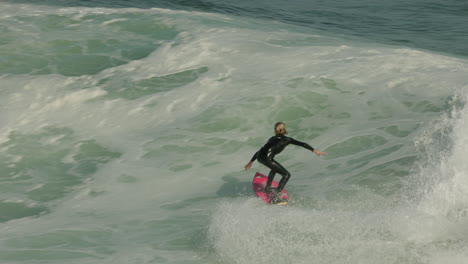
[
  {"x": 246, "y": 167},
  {"x": 319, "y": 153}
]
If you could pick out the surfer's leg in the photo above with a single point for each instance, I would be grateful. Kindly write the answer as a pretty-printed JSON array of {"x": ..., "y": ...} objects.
[
  {"x": 284, "y": 172},
  {"x": 276, "y": 168},
  {"x": 273, "y": 169},
  {"x": 271, "y": 176}
]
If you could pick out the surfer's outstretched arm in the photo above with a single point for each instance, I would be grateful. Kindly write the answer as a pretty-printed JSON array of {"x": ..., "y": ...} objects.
[
  {"x": 306, "y": 146},
  {"x": 248, "y": 165}
]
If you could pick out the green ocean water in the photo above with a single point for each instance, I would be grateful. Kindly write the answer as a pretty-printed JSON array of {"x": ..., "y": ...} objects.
[{"x": 124, "y": 132}]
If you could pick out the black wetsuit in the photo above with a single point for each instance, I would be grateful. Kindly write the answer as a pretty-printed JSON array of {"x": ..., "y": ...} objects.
[{"x": 266, "y": 155}]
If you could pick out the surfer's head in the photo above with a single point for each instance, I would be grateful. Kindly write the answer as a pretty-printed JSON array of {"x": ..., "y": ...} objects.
[{"x": 280, "y": 129}]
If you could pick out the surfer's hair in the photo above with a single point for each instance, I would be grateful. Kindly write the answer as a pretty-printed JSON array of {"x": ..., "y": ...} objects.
[{"x": 280, "y": 129}]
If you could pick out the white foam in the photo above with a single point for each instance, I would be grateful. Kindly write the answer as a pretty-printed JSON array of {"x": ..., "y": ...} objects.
[
  {"x": 293, "y": 235},
  {"x": 446, "y": 188}
]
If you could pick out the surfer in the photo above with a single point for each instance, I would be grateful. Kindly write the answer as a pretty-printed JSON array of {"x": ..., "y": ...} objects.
[{"x": 274, "y": 146}]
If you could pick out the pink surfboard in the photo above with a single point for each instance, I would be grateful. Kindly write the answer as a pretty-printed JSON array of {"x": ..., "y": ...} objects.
[{"x": 259, "y": 183}]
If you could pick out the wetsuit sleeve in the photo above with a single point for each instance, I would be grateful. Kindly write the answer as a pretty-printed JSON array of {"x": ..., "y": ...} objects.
[
  {"x": 302, "y": 144},
  {"x": 254, "y": 157}
]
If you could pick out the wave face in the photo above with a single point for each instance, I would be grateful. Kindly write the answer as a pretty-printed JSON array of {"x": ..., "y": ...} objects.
[
  {"x": 124, "y": 131},
  {"x": 433, "y": 25}
]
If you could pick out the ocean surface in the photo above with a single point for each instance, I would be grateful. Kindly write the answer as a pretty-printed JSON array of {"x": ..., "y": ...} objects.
[{"x": 125, "y": 126}]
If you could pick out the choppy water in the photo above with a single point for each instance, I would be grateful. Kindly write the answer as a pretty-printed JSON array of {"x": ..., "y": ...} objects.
[{"x": 124, "y": 129}]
